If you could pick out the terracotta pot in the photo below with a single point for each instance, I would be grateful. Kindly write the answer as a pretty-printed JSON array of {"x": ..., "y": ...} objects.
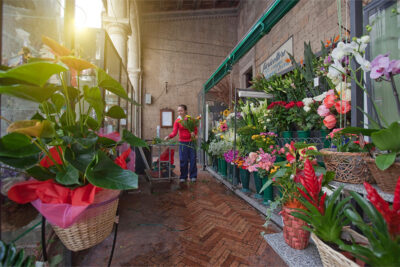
[{"x": 293, "y": 232}]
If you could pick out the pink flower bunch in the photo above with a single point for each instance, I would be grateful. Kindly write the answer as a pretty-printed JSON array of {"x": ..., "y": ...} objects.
[
  {"x": 250, "y": 162},
  {"x": 223, "y": 126},
  {"x": 326, "y": 108},
  {"x": 265, "y": 160},
  {"x": 269, "y": 134}
]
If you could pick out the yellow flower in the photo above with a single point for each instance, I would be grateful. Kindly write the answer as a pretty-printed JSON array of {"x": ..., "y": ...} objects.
[
  {"x": 34, "y": 128},
  {"x": 226, "y": 112},
  {"x": 274, "y": 169},
  {"x": 222, "y": 137},
  {"x": 288, "y": 165}
]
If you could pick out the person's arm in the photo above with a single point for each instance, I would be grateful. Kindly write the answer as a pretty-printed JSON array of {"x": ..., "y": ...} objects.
[
  {"x": 174, "y": 131},
  {"x": 194, "y": 134}
]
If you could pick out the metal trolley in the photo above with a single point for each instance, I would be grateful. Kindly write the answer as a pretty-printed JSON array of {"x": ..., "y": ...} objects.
[{"x": 160, "y": 170}]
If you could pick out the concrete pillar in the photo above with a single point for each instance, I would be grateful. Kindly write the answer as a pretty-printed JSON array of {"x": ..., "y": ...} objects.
[{"x": 117, "y": 26}]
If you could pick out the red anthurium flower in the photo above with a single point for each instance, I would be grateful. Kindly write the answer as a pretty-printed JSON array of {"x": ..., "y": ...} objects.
[
  {"x": 290, "y": 158},
  {"x": 313, "y": 186},
  {"x": 121, "y": 160},
  {"x": 48, "y": 162},
  {"x": 391, "y": 216}
]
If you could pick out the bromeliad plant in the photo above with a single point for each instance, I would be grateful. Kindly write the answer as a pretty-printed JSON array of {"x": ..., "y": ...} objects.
[
  {"x": 383, "y": 232},
  {"x": 61, "y": 141},
  {"x": 325, "y": 215}
]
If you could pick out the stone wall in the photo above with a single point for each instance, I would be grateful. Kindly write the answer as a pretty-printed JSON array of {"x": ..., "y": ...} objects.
[{"x": 184, "y": 52}]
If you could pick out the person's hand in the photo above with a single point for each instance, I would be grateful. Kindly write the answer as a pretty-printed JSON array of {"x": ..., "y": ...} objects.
[
  {"x": 166, "y": 138},
  {"x": 193, "y": 134}
]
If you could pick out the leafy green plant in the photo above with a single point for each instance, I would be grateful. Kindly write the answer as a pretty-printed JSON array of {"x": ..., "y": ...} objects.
[
  {"x": 61, "y": 141},
  {"x": 10, "y": 256}
]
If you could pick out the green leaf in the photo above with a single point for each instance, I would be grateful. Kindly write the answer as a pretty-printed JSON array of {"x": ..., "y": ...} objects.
[
  {"x": 134, "y": 141},
  {"x": 38, "y": 117},
  {"x": 106, "y": 142},
  {"x": 110, "y": 84},
  {"x": 388, "y": 139},
  {"x": 58, "y": 101},
  {"x": 21, "y": 163},
  {"x": 88, "y": 141},
  {"x": 80, "y": 159},
  {"x": 37, "y": 73},
  {"x": 47, "y": 108},
  {"x": 94, "y": 98},
  {"x": 116, "y": 112},
  {"x": 303, "y": 145},
  {"x": 384, "y": 161},
  {"x": 359, "y": 130},
  {"x": 91, "y": 123},
  {"x": 266, "y": 185},
  {"x": 70, "y": 176},
  {"x": 319, "y": 170},
  {"x": 40, "y": 173},
  {"x": 103, "y": 172},
  {"x": 280, "y": 173},
  {"x": 16, "y": 145},
  {"x": 29, "y": 92}
]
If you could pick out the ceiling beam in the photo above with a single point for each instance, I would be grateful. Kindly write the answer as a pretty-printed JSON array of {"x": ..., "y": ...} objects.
[
  {"x": 215, "y": 3},
  {"x": 196, "y": 4},
  {"x": 179, "y": 4}
]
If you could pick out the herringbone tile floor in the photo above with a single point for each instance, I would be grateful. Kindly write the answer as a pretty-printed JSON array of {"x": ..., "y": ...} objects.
[{"x": 201, "y": 224}]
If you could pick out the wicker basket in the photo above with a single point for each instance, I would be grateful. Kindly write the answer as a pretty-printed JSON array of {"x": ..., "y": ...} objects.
[
  {"x": 386, "y": 179},
  {"x": 349, "y": 167},
  {"x": 293, "y": 232},
  {"x": 331, "y": 257},
  {"x": 93, "y": 225}
]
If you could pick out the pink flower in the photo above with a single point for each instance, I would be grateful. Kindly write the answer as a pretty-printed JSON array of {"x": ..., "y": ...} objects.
[
  {"x": 342, "y": 107},
  {"x": 394, "y": 67},
  {"x": 252, "y": 168},
  {"x": 330, "y": 121},
  {"x": 331, "y": 134},
  {"x": 273, "y": 151},
  {"x": 330, "y": 92},
  {"x": 271, "y": 147},
  {"x": 290, "y": 158},
  {"x": 329, "y": 101},
  {"x": 380, "y": 66},
  {"x": 282, "y": 150},
  {"x": 323, "y": 111}
]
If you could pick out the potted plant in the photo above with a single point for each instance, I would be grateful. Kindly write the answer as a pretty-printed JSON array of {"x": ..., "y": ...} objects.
[
  {"x": 383, "y": 231},
  {"x": 347, "y": 159},
  {"x": 72, "y": 163},
  {"x": 217, "y": 149},
  {"x": 286, "y": 175}
]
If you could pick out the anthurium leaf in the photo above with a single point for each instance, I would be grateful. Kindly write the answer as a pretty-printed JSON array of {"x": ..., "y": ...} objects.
[
  {"x": 116, "y": 112},
  {"x": 133, "y": 140},
  {"x": 106, "y": 142},
  {"x": 58, "y": 100},
  {"x": 103, "y": 172},
  {"x": 47, "y": 108},
  {"x": 388, "y": 139},
  {"x": 108, "y": 83},
  {"x": 359, "y": 130},
  {"x": 80, "y": 159},
  {"x": 38, "y": 117},
  {"x": 94, "y": 98},
  {"x": 37, "y": 73},
  {"x": 40, "y": 173},
  {"x": 88, "y": 141},
  {"x": 21, "y": 162},
  {"x": 28, "y": 92},
  {"x": 44, "y": 129},
  {"x": 91, "y": 123},
  {"x": 70, "y": 176},
  {"x": 384, "y": 161},
  {"x": 76, "y": 63},
  {"x": 16, "y": 145}
]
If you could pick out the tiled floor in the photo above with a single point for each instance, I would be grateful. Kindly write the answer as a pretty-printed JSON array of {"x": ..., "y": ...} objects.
[{"x": 200, "y": 224}]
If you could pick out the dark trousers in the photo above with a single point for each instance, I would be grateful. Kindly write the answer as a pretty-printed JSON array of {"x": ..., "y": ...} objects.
[{"x": 187, "y": 154}]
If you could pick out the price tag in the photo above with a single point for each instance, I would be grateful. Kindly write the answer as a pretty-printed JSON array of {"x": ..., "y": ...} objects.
[{"x": 316, "y": 81}]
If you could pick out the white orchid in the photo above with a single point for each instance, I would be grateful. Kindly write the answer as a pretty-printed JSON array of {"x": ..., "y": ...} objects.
[
  {"x": 342, "y": 86},
  {"x": 364, "y": 64}
]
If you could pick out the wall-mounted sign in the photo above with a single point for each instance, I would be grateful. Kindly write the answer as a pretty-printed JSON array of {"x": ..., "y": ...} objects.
[
  {"x": 166, "y": 118},
  {"x": 278, "y": 61}
]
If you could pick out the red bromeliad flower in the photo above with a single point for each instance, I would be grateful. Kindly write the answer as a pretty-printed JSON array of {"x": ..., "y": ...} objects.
[
  {"x": 48, "y": 162},
  {"x": 313, "y": 186},
  {"x": 391, "y": 216}
]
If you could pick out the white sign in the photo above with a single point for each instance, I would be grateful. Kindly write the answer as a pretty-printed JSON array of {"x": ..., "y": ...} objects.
[{"x": 279, "y": 60}]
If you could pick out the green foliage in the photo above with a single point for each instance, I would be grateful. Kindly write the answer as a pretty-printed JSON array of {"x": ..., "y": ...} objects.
[
  {"x": 327, "y": 226},
  {"x": 10, "y": 256},
  {"x": 382, "y": 249}
]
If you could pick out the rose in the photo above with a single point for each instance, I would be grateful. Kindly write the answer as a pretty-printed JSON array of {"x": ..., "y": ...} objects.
[
  {"x": 342, "y": 107},
  {"x": 299, "y": 104},
  {"x": 329, "y": 101},
  {"x": 323, "y": 111},
  {"x": 330, "y": 121}
]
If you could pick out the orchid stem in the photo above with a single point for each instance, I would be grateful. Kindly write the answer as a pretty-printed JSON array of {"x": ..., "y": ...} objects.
[{"x": 396, "y": 95}]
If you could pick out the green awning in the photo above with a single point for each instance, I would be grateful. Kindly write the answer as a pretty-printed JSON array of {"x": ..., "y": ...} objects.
[{"x": 276, "y": 11}]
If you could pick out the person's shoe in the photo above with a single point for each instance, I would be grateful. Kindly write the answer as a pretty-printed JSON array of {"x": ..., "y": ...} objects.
[
  {"x": 182, "y": 180},
  {"x": 193, "y": 180}
]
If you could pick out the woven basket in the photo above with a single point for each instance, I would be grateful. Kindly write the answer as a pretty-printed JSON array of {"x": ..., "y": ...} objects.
[
  {"x": 386, "y": 179},
  {"x": 350, "y": 167},
  {"x": 293, "y": 232},
  {"x": 93, "y": 225},
  {"x": 333, "y": 258}
]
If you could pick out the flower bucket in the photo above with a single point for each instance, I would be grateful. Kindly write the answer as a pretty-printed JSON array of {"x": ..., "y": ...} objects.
[
  {"x": 245, "y": 179},
  {"x": 94, "y": 224},
  {"x": 268, "y": 193},
  {"x": 331, "y": 257},
  {"x": 294, "y": 234},
  {"x": 230, "y": 169},
  {"x": 386, "y": 179},
  {"x": 258, "y": 184},
  {"x": 350, "y": 167},
  {"x": 222, "y": 167},
  {"x": 287, "y": 136},
  {"x": 324, "y": 133},
  {"x": 215, "y": 163},
  {"x": 303, "y": 135}
]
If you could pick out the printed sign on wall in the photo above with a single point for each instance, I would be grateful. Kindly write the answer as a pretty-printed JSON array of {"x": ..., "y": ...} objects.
[{"x": 277, "y": 62}]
